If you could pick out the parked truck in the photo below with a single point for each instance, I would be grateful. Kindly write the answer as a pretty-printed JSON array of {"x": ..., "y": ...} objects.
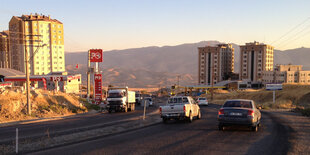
[{"x": 120, "y": 99}]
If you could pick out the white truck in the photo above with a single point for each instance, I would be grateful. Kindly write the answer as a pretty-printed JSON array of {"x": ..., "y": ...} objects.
[
  {"x": 180, "y": 108},
  {"x": 120, "y": 99}
]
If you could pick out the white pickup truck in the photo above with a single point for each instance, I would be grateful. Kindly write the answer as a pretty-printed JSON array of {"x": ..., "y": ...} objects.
[{"x": 179, "y": 108}]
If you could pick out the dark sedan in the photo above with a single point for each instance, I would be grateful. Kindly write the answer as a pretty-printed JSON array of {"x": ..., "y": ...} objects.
[{"x": 239, "y": 112}]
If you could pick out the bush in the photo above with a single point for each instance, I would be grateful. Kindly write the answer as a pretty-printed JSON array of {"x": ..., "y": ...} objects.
[
  {"x": 305, "y": 112},
  {"x": 90, "y": 106}
]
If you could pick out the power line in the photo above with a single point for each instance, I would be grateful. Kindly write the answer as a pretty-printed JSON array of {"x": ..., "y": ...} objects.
[
  {"x": 294, "y": 36},
  {"x": 291, "y": 30},
  {"x": 304, "y": 34}
]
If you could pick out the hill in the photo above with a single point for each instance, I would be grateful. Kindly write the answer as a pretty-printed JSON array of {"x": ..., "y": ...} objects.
[{"x": 154, "y": 66}]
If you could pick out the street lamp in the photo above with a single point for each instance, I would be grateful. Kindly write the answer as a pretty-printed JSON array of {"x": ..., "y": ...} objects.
[{"x": 27, "y": 76}]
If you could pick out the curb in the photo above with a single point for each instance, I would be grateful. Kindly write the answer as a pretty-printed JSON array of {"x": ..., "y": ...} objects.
[{"x": 29, "y": 121}]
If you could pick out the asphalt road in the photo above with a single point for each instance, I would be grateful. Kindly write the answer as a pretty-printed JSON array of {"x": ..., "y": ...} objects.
[
  {"x": 199, "y": 137},
  {"x": 70, "y": 124}
]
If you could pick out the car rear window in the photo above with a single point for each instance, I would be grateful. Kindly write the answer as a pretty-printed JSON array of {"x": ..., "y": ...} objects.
[
  {"x": 241, "y": 104},
  {"x": 175, "y": 100},
  {"x": 202, "y": 99}
]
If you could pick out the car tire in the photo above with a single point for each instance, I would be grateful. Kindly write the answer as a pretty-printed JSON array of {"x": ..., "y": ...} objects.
[
  {"x": 165, "y": 120},
  {"x": 221, "y": 128},
  {"x": 255, "y": 128},
  {"x": 190, "y": 117},
  {"x": 199, "y": 115}
]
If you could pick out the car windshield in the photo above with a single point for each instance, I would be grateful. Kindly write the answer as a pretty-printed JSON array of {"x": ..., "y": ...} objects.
[
  {"x": 241, "y": 104},
  {"x": 115, "y": 95}
]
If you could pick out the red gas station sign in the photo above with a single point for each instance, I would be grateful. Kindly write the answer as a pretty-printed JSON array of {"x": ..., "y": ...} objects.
[
  {"x": 56, "y": 78},
  {"x": 96, "y": 55},
  {"x": 98, "y": 88}
]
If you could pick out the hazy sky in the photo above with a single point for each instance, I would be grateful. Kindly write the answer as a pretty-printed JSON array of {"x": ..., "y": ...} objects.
[{"x": 121, "y": 24}]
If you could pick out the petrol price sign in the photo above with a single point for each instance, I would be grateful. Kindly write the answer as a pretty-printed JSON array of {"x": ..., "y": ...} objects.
[{"x": 96, "y": 55}]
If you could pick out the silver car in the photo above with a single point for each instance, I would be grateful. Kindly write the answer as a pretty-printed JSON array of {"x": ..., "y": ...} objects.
[
  {"x": 202, "y": 101},
  {"x": 239, "y": 112}
]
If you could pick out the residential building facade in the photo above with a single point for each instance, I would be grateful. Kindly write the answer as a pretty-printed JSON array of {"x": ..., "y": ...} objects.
[
  {"x": 290, "y": 74},
  {"x": 215, "y": 64},
  {"x": 40, "y": 36},
  {"x": 5, "y": 61},
  {"x": 254, "y": 59}
]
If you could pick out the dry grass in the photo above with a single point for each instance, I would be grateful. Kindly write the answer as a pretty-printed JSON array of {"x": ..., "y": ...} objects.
[
  {"x": 44, "y": 104},
  {"x": 292, "y": 96}
]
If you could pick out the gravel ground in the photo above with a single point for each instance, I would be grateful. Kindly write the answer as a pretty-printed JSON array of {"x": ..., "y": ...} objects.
[
  {"x": 300, "y": 137},
  {"x": 49, "y": 142}
]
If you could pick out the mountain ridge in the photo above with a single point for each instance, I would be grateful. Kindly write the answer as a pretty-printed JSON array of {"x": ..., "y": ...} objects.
[{"x": 166, "y": 63}]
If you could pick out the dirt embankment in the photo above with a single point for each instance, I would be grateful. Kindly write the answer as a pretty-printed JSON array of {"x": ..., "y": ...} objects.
[
  {"x": 292, "y": 96},
  {"x": 13, "y": 105}
]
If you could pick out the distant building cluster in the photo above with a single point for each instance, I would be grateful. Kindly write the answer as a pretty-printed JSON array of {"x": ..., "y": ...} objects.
[
  {"x": 216, "y": 64},
  {"x": 287, "y": 74}
]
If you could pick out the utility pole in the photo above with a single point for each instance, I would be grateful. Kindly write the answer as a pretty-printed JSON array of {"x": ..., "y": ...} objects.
[
  {"x": 178, "y": 84},
  {"x": 212, "y": 82},
  {"x": 27, "y": 60},
  {"x": 88, "y": 76},
  {"x": 27, "y": 79}
]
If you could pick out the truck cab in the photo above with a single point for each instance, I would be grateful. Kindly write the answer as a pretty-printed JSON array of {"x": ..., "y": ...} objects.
[{"x": 120, "y": 99}]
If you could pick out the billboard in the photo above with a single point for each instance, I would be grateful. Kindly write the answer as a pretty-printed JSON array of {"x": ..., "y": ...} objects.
[
  {"x": 274, "y": 86},
  {"x": 96, "y": 55},
  {"x": 98, "y": 89}
]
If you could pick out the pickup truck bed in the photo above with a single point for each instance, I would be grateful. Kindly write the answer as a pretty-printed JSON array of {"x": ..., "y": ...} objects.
[{"x": 180, "y": 108}]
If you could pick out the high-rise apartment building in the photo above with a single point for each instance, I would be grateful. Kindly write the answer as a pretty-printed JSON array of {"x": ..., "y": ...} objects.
[
  {"x": 27, "y": 33},
  {"x": 254, "y": 59},
  {"x": 5, "y": 61},
  {"x": 215, "y": 64}
]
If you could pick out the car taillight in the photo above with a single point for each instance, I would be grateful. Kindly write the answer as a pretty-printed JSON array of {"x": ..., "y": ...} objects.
[
  {"x": 160, "y": 109},
  {"x": 251, "y": 113},
  {"x": 221, "y": 112},
  {"x": 184, "y": 108}
]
